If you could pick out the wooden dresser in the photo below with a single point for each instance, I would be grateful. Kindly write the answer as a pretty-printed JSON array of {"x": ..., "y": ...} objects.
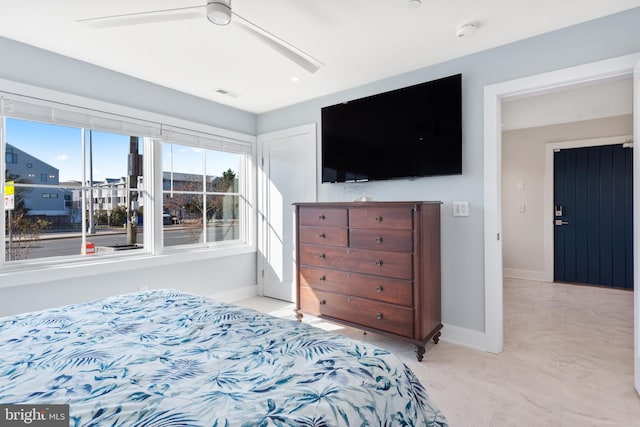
[{"x": 371, "y": 265}]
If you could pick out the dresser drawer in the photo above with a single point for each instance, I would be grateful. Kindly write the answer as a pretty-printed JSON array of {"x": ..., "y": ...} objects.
[
  {"x": 379, "y": 315},
  {"x": 323, "y": 256},
  {"x": 362, "y": 285},
  {"x": 396, "y": 218},
  {"x": 397, "y": 265},
  {"x": 323, "y": 236},
  {"x": 385, "y": 240},
  {"x": 322, "y": 217}
]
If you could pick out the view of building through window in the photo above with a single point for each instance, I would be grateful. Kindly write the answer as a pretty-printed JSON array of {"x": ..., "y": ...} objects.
[
  {"x": 80, "y": 192},
  {"x": 200, "y": 192},
  {"x": 55, "y": 177}
]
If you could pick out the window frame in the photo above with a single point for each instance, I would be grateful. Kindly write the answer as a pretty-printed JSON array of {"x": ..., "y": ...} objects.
[
  {"x": 205, "y": 193},
  {"x": 153, "y": 253}
]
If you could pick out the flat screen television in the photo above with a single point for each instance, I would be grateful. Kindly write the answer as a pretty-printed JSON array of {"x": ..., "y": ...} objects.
[{"x": 411, "y": 132}]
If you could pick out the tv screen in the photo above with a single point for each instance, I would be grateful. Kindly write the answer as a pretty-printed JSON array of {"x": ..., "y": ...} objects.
[{"x": 410, "y": 132}]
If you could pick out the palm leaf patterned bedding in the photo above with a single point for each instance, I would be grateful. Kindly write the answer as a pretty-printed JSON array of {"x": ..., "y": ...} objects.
[{"x": 166, "y": 358}]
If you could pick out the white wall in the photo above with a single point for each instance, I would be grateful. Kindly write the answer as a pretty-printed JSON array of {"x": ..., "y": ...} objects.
[
  {"x": 463, "y": 287},
  {"x": 523, "y": 168},
  {"x": 593, "y": 101}
]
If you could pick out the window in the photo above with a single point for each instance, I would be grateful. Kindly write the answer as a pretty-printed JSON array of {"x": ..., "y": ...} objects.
[
  {"x": 201, "y": 200},
  {"x": 94, "y": 185},
  {"x": 11, "y": 155},
  {"x": 90, "y": 163}
]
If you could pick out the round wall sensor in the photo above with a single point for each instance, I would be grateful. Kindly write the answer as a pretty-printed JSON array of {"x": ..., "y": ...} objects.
[
  {"x": 465, "y": 30},
  {"x": 413, "y": 4}
]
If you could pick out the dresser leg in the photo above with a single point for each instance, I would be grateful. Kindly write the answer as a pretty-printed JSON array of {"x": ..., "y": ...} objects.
[
  {"x": 419, "y": 352},
  {"x": 298, "y": 315},
  {"x": 436, "y": 337}
]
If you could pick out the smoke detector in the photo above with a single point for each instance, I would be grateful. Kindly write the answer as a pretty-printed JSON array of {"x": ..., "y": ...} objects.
[{"x": 465, "y": 30}]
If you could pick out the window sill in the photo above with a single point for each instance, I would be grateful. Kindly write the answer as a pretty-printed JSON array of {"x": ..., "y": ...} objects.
[{"x": 52, "y": 270}]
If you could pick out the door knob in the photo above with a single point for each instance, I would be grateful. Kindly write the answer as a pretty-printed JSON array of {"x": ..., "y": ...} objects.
[{"x": 561, "y": 222}]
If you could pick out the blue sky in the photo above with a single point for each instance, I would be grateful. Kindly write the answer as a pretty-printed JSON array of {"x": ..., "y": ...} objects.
[{"x": 61, "y": 147}]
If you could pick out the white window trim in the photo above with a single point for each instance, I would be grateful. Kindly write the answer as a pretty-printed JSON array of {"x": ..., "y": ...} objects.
[{"x": 20, "y": 273}]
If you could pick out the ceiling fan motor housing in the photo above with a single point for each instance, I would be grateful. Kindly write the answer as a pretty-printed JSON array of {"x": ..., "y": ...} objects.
[{"x": 219, "y": 11}]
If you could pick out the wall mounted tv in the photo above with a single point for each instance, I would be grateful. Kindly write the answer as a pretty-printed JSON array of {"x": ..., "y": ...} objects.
[{"x": 410, "y": 132}]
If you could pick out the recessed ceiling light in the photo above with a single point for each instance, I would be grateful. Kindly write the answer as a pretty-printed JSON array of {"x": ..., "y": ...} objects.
[
  {"x": 413, "y": 4},
  {"x": 295, "y": 79}
]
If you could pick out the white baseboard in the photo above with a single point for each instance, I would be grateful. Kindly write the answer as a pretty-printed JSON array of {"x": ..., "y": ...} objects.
[
  {"x": 514, "y": 273},
  {"x": 463, "y": 336},
  {"x": 236, "y": 294}
]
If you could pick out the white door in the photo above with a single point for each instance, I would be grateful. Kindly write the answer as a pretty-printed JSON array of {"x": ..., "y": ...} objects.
[
  {"x": 636, "y": 224},
  {"x": 287, "y": 174}
]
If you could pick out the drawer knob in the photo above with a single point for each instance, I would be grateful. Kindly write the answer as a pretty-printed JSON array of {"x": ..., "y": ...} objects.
[
  {"x": 379, "y": 262},
  {"x": 378, "y": 240},
  {"x": 321, "y": 217},
  {"x": 378, "y": 288},
  {"x": 321, "y": 256},
  {"x": 378, "y": 219},
  {"x": 323, "y": 302},
  {"x": 323, "y": 278},
  {"x": 321, "y": 235},
  {"x": 379, "y": 316}
]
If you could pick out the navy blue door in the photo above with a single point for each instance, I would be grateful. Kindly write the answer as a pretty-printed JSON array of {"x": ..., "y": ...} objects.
[{"x": 593, "y": 202}]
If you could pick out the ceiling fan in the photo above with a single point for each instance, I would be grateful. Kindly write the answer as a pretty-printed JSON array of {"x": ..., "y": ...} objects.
[{"x": 219, "y": 12}]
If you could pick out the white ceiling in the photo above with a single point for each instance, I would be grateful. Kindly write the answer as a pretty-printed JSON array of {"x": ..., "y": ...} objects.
[{"x": 359, "y": 41}]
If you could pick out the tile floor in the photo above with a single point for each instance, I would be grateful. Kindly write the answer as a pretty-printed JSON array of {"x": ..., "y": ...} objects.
[{"x": 567, "y": 360}]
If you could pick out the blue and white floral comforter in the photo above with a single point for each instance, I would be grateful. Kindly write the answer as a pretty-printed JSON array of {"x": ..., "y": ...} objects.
[{"x": 165, "y": 358}]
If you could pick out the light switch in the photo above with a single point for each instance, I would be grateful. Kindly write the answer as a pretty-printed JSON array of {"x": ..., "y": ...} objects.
[
  {"x": 460, "y": 208},
  {"x": 522, "y": 207},
  {"x": 520, "y": 185}
]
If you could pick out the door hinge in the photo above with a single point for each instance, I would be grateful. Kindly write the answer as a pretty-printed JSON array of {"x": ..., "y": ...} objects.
[
  {"x": 262, "y": 162},
  {"x": 498, "y": 236},
  {"x": 262, "y": 272}
]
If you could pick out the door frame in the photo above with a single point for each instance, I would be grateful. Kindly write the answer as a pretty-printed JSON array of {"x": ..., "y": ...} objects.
[
  {"x": 493, "y": 96},
  {"x": 262, "y": 182},
  {"x": 548, "y": 227}
]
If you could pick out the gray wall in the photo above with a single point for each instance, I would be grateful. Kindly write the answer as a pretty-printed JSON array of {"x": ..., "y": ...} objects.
[
  {"x": 462, "y": 238},
  {"x": 27, "y": 64},
  {"x": 233, "y": 276},
  {"x": 36, "y": 289}
]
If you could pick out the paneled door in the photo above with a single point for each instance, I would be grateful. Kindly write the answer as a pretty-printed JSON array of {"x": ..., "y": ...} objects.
[
  {"x": 286, "y": 174},
  {"x": 593, "y": 215}
]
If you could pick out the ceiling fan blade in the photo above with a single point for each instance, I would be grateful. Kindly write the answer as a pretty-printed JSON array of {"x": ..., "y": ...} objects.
[
  {"x": 284, "y": 48},
  {"x": 147, "y": 17}
]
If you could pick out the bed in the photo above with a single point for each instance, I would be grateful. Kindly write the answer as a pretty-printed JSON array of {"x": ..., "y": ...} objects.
[{"x": 167, "y": 358}]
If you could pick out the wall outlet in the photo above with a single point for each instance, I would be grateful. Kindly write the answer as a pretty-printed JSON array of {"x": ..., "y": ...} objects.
[{"x": 460, "y": 208}]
